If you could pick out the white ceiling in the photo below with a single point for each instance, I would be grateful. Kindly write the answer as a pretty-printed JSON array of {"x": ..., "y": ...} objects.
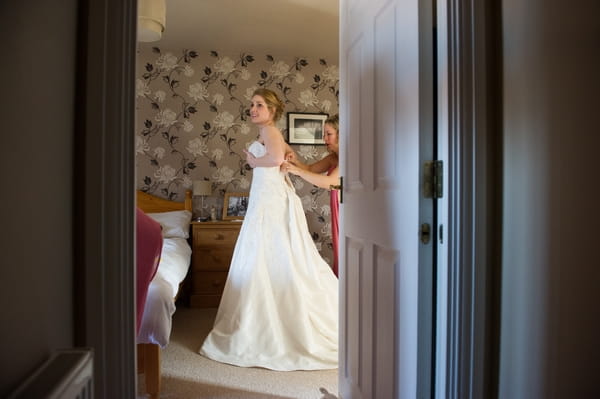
[{"x": 306, "y": 28}]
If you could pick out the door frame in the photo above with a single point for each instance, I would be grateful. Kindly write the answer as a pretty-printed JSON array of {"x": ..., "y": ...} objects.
[
  {"x": 470, "y": 67},
  {"x": 104, "y": 164},
  {"x": 104, "y": 177},
  {"x": 429, "y": 256}
]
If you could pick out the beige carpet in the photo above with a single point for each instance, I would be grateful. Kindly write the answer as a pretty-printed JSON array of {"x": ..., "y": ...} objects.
[{"x": 188, "y": 375}]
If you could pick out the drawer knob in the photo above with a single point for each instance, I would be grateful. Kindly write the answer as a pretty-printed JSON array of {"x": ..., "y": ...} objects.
[
  {"x": 216, "y": 283},
  {"x": 219, "y": 237}
]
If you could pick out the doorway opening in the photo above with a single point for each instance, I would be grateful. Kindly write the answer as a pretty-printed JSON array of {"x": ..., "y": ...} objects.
[{"x": 210, "y": 85}]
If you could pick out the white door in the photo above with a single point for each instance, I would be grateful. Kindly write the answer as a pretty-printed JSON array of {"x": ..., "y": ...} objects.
[{"x": 381, "y": 109}]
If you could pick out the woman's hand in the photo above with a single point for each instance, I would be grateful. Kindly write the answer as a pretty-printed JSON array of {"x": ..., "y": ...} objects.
[
  {"x": 291, "y": 156},
  {"x": 289, "y": 167},
  {"x": 250, "y": 158}
]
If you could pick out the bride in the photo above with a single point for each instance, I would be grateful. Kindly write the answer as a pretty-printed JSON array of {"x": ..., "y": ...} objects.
[{"x": 279, "y": 309}]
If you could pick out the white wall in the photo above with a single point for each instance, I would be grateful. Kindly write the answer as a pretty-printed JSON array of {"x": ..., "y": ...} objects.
[
  {"x": 551, "y": 263},
  {"x": 38, "y": 83}
]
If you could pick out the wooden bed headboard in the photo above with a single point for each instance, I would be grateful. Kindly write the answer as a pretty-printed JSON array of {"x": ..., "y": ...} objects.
[{"x": 152, "y": 204}]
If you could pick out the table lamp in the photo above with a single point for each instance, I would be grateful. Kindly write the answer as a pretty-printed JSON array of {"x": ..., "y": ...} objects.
[{"x": 202, "y": 188}]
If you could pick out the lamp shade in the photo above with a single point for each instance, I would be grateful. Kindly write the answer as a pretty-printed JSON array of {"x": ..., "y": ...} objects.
[
  {"x": 151, "y": 20},
  {"x": 202, "y": 188}
]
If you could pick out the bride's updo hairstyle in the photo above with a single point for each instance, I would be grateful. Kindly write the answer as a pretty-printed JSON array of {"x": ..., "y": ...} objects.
[{"x": 273, "y": 102}]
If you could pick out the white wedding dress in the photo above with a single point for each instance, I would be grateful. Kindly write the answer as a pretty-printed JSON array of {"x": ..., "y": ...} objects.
[{"x": 279, "y": 309}]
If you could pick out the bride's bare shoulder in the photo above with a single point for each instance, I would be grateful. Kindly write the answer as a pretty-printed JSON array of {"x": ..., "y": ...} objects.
[{"x": 273, "y": 134}]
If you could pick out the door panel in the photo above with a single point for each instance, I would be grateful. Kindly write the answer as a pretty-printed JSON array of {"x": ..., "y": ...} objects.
[
  {"x": 358, "y": 339},
  {"x": 385, "y": 104},
  {"x": 379, "y": 128},
  {"x": 355, "y": 70},
  {"x": 385, "y": 267}
]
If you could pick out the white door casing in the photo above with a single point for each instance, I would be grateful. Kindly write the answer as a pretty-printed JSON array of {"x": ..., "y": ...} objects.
[
  {"x": 379, "y": 128},
  {"x": 442, "y": 277}
]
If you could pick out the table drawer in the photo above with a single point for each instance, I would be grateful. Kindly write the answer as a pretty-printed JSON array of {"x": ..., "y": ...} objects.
[
  {"x": 212, "y": 259},
  {"x": 213, "y": 245},
  {"x": 209, "y": 282},
  {"x": 205, "y": 301},
  {"x": 215, "y": 237}
]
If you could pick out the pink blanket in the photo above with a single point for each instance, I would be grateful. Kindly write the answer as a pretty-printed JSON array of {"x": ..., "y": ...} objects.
[{"x": 148, "y": 249}]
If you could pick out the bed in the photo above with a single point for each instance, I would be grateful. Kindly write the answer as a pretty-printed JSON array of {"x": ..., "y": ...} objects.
[{"x": 155, "y": 326}]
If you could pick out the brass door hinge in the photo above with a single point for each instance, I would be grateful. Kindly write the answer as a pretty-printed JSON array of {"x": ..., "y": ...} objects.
[{"x": 433, "y": 179}]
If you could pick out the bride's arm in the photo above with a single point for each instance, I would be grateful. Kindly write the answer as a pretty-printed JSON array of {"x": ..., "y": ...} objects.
[{"x": 275, "y": 146}]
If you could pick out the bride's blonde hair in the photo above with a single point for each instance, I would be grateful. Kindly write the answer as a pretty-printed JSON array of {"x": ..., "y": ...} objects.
[{"x": 273, "y": 102}]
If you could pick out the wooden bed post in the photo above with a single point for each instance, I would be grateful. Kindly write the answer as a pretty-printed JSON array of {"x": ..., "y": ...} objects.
[
  {"x": 188, "y": 201},
  {"x": 149, "y": 365}
]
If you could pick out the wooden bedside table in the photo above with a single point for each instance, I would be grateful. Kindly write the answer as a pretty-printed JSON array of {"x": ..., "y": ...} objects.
[{"x": 212, "y": 249}]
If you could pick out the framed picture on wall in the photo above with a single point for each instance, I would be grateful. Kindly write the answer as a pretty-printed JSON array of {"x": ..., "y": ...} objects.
[
  {"x": 306, "y": 128},
  {"x": 235, "y": 206}
]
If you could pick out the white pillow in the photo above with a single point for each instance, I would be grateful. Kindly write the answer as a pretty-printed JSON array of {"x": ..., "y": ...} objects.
[{"x": 175, "y": 224}]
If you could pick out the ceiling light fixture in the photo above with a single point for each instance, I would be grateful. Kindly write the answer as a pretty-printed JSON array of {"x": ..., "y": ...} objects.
[{"x": 151, "y": 20}]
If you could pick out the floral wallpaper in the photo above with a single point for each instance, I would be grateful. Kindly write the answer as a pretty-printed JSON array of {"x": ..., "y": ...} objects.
[{"x": 192, "y": 123}]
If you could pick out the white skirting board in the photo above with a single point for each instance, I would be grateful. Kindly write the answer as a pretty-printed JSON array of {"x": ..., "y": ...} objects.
[{"x": 67, "y": 374}]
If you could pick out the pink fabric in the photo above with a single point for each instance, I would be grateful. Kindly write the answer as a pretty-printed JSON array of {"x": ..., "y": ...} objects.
[
  {"x": 148, "y": 249},
  {"x": 335, "y": 229}
]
